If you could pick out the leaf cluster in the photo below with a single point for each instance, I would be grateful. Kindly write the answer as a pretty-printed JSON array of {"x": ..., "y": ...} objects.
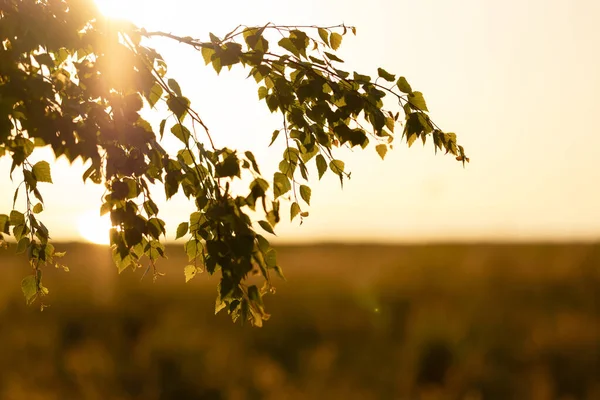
[{"x": 75, "y": 81}]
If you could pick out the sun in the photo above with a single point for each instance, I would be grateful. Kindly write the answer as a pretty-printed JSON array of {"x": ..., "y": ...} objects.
[
  {"x": 94, "y": 228},
  {"x": 117, "y": 8},
  {"x": 137, "y": 11}
]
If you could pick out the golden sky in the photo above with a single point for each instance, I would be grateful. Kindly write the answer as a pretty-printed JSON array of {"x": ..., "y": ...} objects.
[{"x": 517, "y": 81}]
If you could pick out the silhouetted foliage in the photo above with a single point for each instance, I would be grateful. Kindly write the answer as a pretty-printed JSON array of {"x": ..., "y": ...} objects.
[{"x": 75, "y": 81}]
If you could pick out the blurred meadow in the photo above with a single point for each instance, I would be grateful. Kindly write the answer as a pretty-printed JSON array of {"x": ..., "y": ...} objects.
[{"x": 469, "y": 321}]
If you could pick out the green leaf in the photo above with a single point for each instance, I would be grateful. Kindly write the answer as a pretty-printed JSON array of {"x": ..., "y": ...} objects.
[
  {"x": 362, "y": 78},
  {"x": 279, "y": 272},
  {"x": 214, "y": 38},
  {"x": 16, "y": 196},
  {"x": 251, "y": 158},
  {"x": 271, "y": 258},
  {"x": 300, "y": 41},
  {"x": 386, "y": 75},
  {"x": 29, "y": 288},
  {"x": 403, "y": 85},
  {"x": 335, "y": 40},
  {"x": 179, "y": 106},
  {"x": 38, "y": 208},
  {"x": 229, "y": 167},
  {"x": 381, "y": 150},
  {"x": 417, "y": 101},
  {"x": 266, "y": 226},
  {"x": 155, "y": 93},
  {"x": 193, "y": 249},
  {"x": 254, "y": 294},
  {"x": 411, "y": 139},
  {"x": 287, "y": 44},
  {"x": 294, "y": 210},
  {"x": 262, "y": 92},
  {"x": 274, "y": 137},
  {"x": 337, "y": 166},
  {"x": 281, "y": 184},
  {"x": 182, "y": 230},
  {"x": 333, "y": 57},
  {"x": 4, "y": 223},
  {"x": 207, "y": 54},
  {"x": 22, "y": 245},
  {"x": 321, "y": 165},
  {"x": 186, "y": 155},
  {"x": 219, "y": 305},
  {"x": 16, "y": 218},
  {"x": 231, "y": 54},
  {"x": 106, "y": 208},
  {"x": 41, "y": 172},
  {"x": 216, "y": 63},
  {"x": 324, "y": 35},
  {"x": 181, "y": 132},
  {"x": 174, "y": 87},
  {"x": 162, "y": 127},
  {"x": 29, "y": 179},
  {"x": 305, "y": 193},
  {"x": 189, "y": 271},
  {"x": 19, "y": 231}
]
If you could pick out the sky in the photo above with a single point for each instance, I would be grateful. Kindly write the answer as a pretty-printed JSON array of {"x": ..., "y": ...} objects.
[{"x": 517, "y": 81}]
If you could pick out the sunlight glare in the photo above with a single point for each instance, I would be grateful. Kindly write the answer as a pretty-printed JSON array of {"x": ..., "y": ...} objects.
[
  {"x": 94, "y": 228},
  {"x": 137, "y": 11}
]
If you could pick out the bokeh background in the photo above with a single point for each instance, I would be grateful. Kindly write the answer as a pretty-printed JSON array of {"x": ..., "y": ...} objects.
[{"x": 474, "y": 321}]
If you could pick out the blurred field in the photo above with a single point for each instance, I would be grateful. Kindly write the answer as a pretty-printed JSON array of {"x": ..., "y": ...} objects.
[{"x": 352, "y": 322}]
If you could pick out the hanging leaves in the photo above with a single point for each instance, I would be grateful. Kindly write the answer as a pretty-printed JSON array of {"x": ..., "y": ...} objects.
[{"x": 99, "y": 120}]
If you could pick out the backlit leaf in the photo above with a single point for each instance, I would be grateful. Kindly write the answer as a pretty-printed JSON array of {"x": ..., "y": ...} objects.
[
  {"x": 335, "y": 40},
  {"x": 207, "y": 53},
  {"x": 381, "y": 150},
  {"x": 266, "y": 226},
  {"x": 182, "y": 230},
  {"x": 29, "y": 288},
  {"x": 337, "y": 166},
  {"x": 193, "y": 249},
  {"x": 417, "y": 101},
  {"x": 281, "y": 184},
  {"x": 411, "y": 139},
  {"x": 189, "y": 271},
  {"x": 386, "y": 75},
  {"x": 321, "y": 165},
  {"x": 22, "y": 245},
  {"x": 287, "y": 44},
  {"x": 294, "y": 210},
  {"x": 403, "y": 85},
  {"x": 305, "y": 193},
  {"x": 179, "y": 106},
  {"x": 155, "y": 92},
  {"x": 41, "y": 171},
  {"x": 16, "y": 218},
  {"x": 174, "y": 87},
  {"x": 324, "y": 35},
  {"x": 4, "y": 223},
  {"x": 262, "y": 92},
  {"x": 181, "y": 132},
  {"x": 274, "y": 136}
]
